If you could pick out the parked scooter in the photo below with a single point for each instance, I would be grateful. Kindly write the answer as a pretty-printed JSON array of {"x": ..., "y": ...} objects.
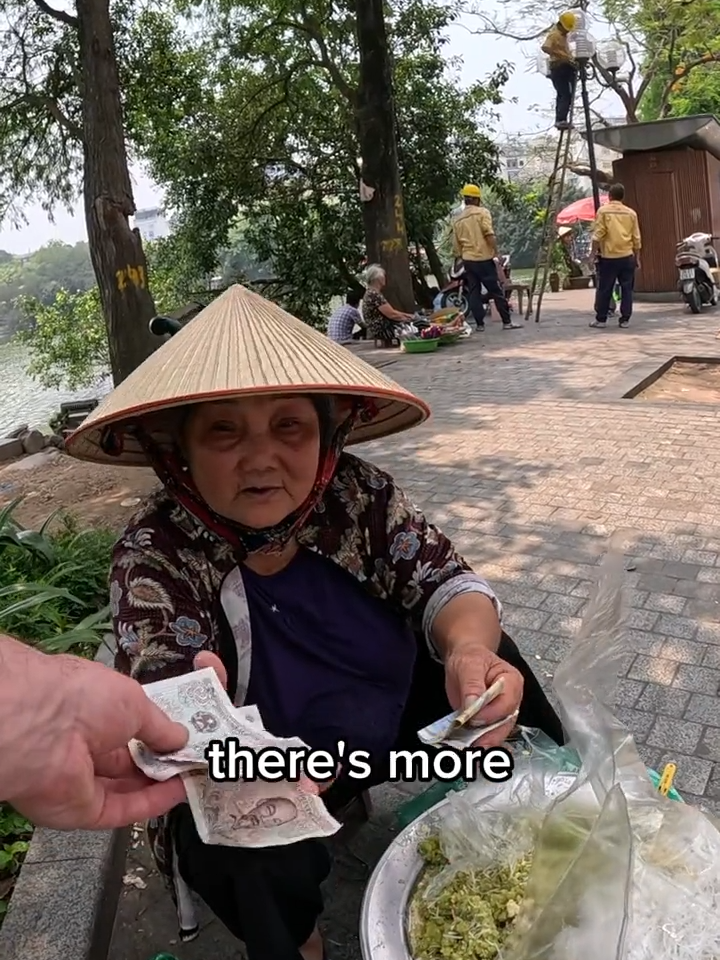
[
  {"x": 454, "y": 293},
  {"x": 697, "y": 263}
]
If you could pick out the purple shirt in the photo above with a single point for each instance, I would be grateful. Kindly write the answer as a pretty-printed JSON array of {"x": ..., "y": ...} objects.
[{"x": 329, "y": 661}]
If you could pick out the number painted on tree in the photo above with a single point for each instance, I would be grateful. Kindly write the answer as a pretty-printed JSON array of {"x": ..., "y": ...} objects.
[
  {"x": 393, "y": 245},
  {"x": 399, "y": 214},
  {"x": 131, "y": 276}
]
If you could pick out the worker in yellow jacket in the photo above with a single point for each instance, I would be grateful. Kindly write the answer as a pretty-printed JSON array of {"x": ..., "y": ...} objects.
[
  {"x": 563, "y": 68},
  {"x": 474, "y": 243}
]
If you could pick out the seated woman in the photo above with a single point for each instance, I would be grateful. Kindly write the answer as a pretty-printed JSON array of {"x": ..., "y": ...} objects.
[
  {"x": 380, "y": 318},
  {"x": 306, "y": 577}
]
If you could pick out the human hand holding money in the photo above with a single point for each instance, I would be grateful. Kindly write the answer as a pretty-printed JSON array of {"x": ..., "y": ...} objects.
[
  {"x": 251, "y": 714},
  {"x": 231, "y": 813},
  {"x": 455, "y": 730},
  {"x": 472, "y": 669}
]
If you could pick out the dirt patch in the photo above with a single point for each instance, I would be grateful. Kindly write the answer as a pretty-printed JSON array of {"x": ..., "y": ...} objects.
[
  {"x": 686, "y": 383},
  {"x": 95, "y": 494}
]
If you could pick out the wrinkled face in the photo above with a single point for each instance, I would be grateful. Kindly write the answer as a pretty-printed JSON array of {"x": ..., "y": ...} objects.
[
  {"x": 381, "y": 281},
  {"x": 254, "y": 460}
]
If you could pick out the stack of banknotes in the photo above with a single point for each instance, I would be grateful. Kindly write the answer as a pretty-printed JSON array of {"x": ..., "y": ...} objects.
[{"x": 240, "y": 814}]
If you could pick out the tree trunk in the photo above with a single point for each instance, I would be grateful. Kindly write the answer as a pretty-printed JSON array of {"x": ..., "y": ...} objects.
[
  {"x": 383, "y": 215},
  {"x": 115, "y": 249},
  {"x": 436, "y": 267}
]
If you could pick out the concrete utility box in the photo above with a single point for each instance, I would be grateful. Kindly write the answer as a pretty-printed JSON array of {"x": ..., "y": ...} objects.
[{"x": 671, "y": 173}]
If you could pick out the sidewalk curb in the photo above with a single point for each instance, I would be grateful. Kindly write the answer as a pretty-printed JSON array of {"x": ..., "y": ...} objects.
[{"x": 64, "y": 903}]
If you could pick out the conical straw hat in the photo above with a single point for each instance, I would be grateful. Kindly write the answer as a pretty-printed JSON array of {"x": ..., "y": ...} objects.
[{"x": 238, "y": 345}]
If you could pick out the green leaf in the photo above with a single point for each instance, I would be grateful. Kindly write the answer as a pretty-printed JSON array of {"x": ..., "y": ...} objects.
[
  {"x": 46, "y": 525},
  {"x": 39, "y": 594},
  {"x": 37, "y": 542},
  {"x": 90, "y": 631},
  {"x": 6, "y": 520}
]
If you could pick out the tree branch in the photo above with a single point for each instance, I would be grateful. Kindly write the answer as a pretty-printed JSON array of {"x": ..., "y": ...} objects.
[
  {"x": 604, "y": 179},
  {"x": 611, "y": 82},
  {"x": 314, "y": 31},
  {"x": 59, "y": 15},
  {"x": 39, "y": 99},
  {"x": 284, "y": 99},
  {"x": 687, "y": 68},
  {"x": 494, "y": 29},
  {"x": 600, "y": 118}
]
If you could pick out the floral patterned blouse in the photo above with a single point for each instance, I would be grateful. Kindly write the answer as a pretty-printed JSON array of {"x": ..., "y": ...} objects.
[
  {"x": 378, "y": 326},
  {"x": 176, "y": 589}
]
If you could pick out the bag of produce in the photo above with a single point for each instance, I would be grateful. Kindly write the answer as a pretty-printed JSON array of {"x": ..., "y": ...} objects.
[{"x": 593, "y": 865}]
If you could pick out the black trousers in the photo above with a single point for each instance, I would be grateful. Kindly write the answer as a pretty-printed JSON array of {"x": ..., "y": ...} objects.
[
  {"x": 270, "y": 898},
  {"x": 479, "y": 274},
  {"x": 612, "y": 270},
  {"x": 563, "y": 77}
]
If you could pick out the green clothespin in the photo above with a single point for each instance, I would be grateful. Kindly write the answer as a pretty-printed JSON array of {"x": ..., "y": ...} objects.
[{"x": 164, "y": 956}]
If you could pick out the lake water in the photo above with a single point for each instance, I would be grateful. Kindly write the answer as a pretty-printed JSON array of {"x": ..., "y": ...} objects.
[{"x": 24, "y": 400}]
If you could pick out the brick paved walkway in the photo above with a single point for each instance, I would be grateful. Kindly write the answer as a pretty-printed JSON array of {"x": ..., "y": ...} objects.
[{"x": 530, "y": 461}]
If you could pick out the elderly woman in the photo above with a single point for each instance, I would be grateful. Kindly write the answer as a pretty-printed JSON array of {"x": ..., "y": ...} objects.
[
  {"x": 380, "y": 318},
  {"x": 303, "y": 574}
]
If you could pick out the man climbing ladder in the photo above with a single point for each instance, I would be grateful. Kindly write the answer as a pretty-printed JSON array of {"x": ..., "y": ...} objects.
[{"x": 563, "y": 68}]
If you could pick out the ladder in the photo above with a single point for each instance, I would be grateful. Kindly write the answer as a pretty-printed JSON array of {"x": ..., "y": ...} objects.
[{"x": 556, "y": 188}]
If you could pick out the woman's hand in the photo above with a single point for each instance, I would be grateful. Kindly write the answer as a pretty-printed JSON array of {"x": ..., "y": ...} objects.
[
  {"x": 207, "y": 659},
  {"x": 470, "y": 669}
]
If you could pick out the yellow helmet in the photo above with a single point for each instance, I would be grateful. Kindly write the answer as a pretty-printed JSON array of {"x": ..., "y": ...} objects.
[
  {"x": 471, "y": 190},
  {"x": 567, "y": 21}
]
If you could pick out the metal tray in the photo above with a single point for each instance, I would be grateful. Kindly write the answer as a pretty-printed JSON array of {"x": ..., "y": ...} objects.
[{"x": 383, "y": 917}]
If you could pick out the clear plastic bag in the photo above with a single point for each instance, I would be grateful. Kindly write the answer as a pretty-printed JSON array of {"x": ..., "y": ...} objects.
[
  {"x": 407, "y": 331},
  {"x": 603, "y": 866}
]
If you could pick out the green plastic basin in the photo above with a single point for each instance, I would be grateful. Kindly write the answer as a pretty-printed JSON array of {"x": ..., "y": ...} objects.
[{"x": 421, "y": 346}]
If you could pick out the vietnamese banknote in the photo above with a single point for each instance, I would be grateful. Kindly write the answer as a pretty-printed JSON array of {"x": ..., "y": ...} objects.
[
  {"x": 199, "y": 702},
  {"x": 257, "y": 814},
  {"x": 442, "y": 733},
  {"x": 242, "y": 813}
]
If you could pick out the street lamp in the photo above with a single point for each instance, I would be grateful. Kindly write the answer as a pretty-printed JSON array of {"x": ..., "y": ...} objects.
[
  {"x": 542, "y": 64},
  {"x": 611, "y": 55},
  {"x": 580, "y": 19},
  {"x": 584, "y": 52}
]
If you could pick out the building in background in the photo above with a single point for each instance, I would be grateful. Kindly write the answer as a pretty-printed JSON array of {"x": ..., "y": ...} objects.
[
  {"x": 152, "y": 223},
  {"x": 525, "y": 158}
]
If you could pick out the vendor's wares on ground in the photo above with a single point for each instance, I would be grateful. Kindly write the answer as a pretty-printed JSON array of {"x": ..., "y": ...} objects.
[{"x": 582, "y": 853}]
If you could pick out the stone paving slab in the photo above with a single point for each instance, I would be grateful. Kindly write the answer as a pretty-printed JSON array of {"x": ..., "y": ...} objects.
[{"x": 531, "y": 460}]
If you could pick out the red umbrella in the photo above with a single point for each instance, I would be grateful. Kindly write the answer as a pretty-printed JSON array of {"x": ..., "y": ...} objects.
[{"x": 581, "y": 210}]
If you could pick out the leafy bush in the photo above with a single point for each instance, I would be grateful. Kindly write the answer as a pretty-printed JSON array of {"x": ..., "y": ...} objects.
[
  {"x": 53, "y": 594},
  {"x": 67, "y": 339},
  {"x": 54, "y": 585},
  {"x": 15, "y": 833},
  {"x": 67, "y": 336}
]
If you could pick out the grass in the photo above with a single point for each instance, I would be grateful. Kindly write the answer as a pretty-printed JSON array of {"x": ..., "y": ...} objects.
[
  {"x": 523, "y": 276},
  {"x": 53, "y": 595}
]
